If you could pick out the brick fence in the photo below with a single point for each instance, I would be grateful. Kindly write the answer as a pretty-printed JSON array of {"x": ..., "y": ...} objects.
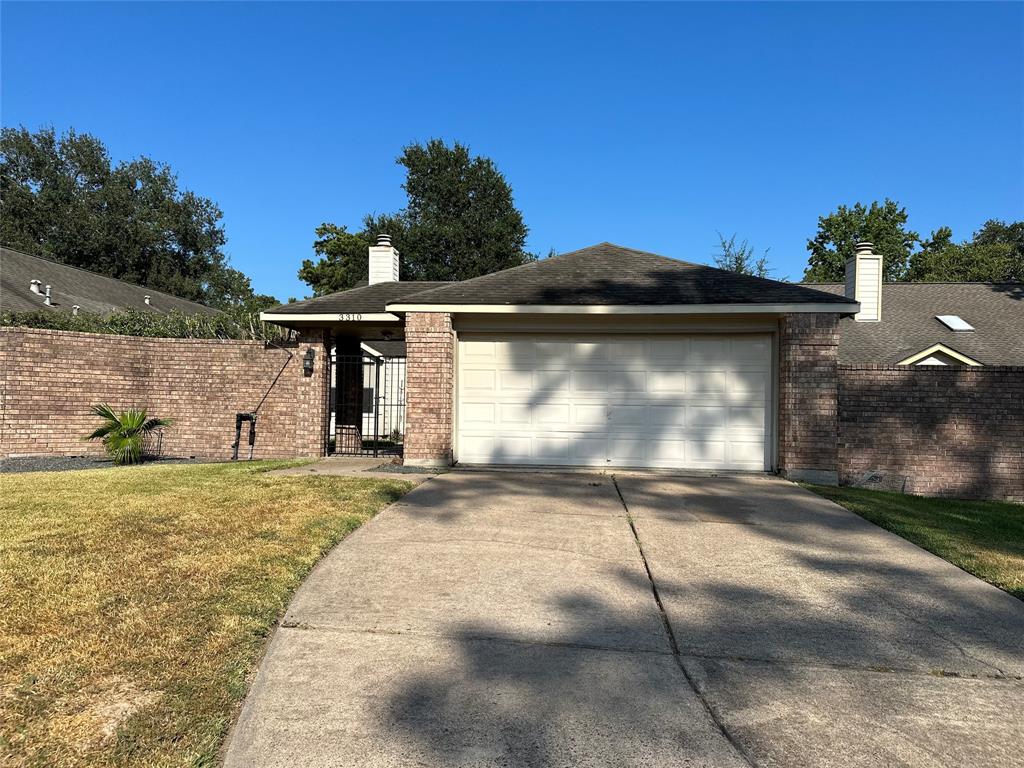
[
  {"x": 949, "y": 431},
  {"x": 51, "y": 378}
]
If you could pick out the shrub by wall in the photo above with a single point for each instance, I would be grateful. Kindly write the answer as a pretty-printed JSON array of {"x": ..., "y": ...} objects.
[
  {"x": 950, "y": 431},
  {"x": 51, "y": 378},
  {"x": 230, "y": 324}
]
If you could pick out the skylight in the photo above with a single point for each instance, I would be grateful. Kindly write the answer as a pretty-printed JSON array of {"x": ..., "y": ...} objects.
[{"x": 954, "y": 322}]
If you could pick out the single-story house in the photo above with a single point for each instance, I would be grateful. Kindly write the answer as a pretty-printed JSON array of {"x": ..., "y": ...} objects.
[
  {"x": 30, "y": 283},
  {"x": 606, "y": 356}
]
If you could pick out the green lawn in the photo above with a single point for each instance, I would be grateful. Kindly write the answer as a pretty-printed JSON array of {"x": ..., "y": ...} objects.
[
  {"x": 135, "y": 601},
  {"x": 985, "y": 538}
]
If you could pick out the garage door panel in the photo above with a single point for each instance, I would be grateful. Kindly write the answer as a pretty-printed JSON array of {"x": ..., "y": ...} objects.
[
  {"x": 705, "y": 416},
  {"x": 746, "y": 417},
  {"x": 551, "y": 448},
  {"x": 551, "y": 416},
  {"x": 756, "y": 350},
  {"x": 478, "y": 380},
  {"x": 665, "y": 452},
  {"x": 665, "y": 416},
  {"x": 705, "y": 451},
  {"x": 746, "y": 452},
  {"x": 512, "y": 380},
  {"x": 589, "y": 353},
  {"x": 620, "y": 416},
  {"x": 669, "y": 350},
  {"x": 547, "y": 380},
  {"x": 697, "y": 401},
  {"x": 671, "y": 382},
  {"x": 627, "y": 450},
  {"x": 705, "y": 382},
  {"x": 513, "y": 415},
  {"x": 748, "y": 384},
  {"x": 590, "y": 381},
  {"x": 588, "y": 451},
  {"x": 628, "y": 381},
  {"x": 478, "y": 414},
  {"x": 590, "y": 415},
  {"x": 553, "y": 354}
]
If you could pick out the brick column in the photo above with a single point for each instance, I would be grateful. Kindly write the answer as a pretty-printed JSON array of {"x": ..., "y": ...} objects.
[
  {"x": 312, "y": 403},
  {"x": 429, "y": 389},
  {"x": 808, "y": 398}
]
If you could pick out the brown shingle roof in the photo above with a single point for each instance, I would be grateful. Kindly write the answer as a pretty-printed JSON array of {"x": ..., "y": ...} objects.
[
  {"x": 908, "y": 323},
  {"x": 72, "y": 285},
  {"x": 367, "y": 299},
  {"x": 611, "y": 275}
]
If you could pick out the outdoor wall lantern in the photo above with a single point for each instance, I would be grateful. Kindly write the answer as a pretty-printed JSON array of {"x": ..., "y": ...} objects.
[{"x": 307, "y": 361}]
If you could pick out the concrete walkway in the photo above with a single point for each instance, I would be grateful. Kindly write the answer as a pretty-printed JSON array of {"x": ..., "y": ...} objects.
[{"x": 525, "y": 619}]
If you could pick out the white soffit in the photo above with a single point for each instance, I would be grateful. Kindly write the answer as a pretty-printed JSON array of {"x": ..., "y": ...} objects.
[{"x": 955, "y": 323}]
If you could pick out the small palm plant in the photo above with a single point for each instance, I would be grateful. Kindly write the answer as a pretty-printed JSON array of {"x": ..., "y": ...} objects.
[{"x": 123, "y": 433}]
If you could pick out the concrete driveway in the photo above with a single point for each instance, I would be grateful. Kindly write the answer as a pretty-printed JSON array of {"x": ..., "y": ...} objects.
[{"x": 524, "y": 619}]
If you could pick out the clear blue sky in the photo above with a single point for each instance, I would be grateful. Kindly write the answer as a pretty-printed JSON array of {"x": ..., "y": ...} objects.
[{"x": 648, "y": 125}]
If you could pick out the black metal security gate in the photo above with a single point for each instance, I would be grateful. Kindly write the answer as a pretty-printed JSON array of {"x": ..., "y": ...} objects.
[{"x": 369, "y": 405}]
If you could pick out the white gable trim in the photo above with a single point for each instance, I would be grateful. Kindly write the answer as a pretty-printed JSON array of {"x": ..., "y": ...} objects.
[
  {"x": 328, "y": 317},
  {"x": 942, "y": 348}
]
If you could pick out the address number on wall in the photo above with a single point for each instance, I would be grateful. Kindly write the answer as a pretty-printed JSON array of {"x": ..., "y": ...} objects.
[{"x": 350, "y": 317}]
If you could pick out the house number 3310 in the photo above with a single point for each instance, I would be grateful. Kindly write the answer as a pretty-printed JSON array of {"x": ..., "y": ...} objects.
[{"x": 350, "y": 317}]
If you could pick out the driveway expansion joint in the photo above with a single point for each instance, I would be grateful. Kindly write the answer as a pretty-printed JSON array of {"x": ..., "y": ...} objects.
[
  {"x": 712, "y": 714},
  {"x": 472, "y": 637},
  {"x": 842, "y": 667}
]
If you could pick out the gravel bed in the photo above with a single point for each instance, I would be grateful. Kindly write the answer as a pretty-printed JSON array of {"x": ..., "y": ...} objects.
[{"x": 67, "y": 463}]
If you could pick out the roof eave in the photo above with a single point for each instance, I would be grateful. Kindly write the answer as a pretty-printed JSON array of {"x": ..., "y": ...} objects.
[
  {"x": 841, "y": 308},
  {"x": 289, "y": 319}
]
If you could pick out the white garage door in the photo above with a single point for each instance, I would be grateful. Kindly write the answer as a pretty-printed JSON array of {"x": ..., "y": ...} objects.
[{"x": 699, "y": 401}]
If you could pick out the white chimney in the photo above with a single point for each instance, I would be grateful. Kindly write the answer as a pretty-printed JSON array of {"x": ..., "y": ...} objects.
[
  {"x": 146, "y": 299},
  {"x": 383, "y": 261},
  {"x": 864, "y": 282},
  {"x": 74, "y": 309},
  {"x": 34, "y": 286}
]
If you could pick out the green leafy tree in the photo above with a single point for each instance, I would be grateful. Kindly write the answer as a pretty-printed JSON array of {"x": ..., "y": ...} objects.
[
  {"x": 740, "y": 258},
  {"x": 460, "y": 222},
  {"x": 994, "y": 255},
  {"x": 995, "y": 232},
  {"x": 343, "y": 260},
  {"x": 61, "y": 197},
  {"x": 884, "y": 224},
  {"x": 124, "y": 434},
  {"x": 231, "y": 290}
]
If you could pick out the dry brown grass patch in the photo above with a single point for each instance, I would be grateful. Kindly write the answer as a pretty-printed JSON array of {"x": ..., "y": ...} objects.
[{"x": 134, "y": 601}]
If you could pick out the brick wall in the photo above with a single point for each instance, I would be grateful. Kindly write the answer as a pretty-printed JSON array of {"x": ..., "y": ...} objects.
[
  {"x": 808, "y": 392},
  {"x": 430, "y": 377},
  {"x": 951, "y": 431},
  {"x": 51, "y": 378}
]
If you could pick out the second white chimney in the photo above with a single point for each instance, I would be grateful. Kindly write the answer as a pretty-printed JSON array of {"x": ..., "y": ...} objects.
[
  {"x": 864, "y": 282},
  {"x": 383, "y": 261}
]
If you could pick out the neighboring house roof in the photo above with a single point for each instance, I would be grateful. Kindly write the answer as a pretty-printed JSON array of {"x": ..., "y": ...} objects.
[
  {"x": 369, "y": 299},
  {"x": 386, "y": 347},
  {"x": 909, "y": 324},
  {"x": 71, "y": 285},
  {"x": 611, "y": 275}
]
